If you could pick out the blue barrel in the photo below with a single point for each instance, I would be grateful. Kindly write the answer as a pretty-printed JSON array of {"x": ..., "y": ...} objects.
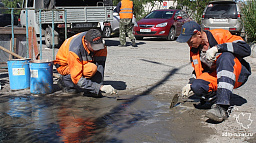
[
  {"x": 41, "y": 77},
  {"x": 19, "y": 74}
]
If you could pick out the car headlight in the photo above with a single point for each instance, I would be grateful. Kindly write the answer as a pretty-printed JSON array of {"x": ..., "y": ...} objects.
[{"x": 161, "y": 24}]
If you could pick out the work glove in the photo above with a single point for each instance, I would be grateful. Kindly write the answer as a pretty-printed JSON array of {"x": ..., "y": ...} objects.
[
  {"x": 108, "y": 89},
  {"x": 210, "y": 53},
  {"x": 186, "y": 90}
]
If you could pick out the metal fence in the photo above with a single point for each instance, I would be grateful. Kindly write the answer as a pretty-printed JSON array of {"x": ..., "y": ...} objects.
[{"x": 39, "y": 11}]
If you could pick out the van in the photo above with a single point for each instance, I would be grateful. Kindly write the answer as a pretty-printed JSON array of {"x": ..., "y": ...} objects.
[{"x": 223, "y": 15}]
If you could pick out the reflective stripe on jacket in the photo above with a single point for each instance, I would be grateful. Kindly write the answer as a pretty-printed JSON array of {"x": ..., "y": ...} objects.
[
  {"x": 126, "y": 9},
  {"x": 225, "y": 41},
  {"x": 74, "y": 58}
]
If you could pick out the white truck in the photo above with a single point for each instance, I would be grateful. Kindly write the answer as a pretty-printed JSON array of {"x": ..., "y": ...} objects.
[{"x": 81, "y": 15}]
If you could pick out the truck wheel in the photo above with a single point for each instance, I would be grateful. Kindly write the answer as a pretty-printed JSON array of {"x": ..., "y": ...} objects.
[
  {"x": 48, "y": 38},
  {"x": 107, "y": 32},
  {"x": 172, "y": 34}
]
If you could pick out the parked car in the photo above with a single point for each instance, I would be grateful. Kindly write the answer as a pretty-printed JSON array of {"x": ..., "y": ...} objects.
[
  {"x": 164, "y": 23},
  {"x": 112, "y": 27},
  {"x": 223, "y": 15},
  {"x": 6, "y": 18}
]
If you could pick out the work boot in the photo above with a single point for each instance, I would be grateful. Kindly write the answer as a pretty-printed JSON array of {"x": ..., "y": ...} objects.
[
  {"x": 133, "y": 43},
  {"x": 217, "y": 113},
  {"x": 60, "y": 82},
  {"x": 69, "y": 90},
  {"x": 65, "y": 89}
]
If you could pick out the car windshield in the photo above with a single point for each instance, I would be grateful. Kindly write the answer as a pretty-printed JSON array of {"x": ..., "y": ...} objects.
[
  {"x": 220, "y": 10},
  {"x": 160, "y": 15}
]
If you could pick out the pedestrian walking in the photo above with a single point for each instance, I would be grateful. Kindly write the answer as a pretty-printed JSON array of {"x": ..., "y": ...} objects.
[
  {"x": 125, "y": 10},
  {"x": 217, "y": 58},
  {"x": 81, "y": 62}
]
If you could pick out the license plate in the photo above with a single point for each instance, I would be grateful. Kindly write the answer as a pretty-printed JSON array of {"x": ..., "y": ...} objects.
[
  {"x": 220, "y": 20},
  {"x": 80, "y": 25},
  {"x": 145, "y": 30}
]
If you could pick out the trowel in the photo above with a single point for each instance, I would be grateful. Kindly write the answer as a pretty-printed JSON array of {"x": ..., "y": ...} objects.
[{"x": 174, "y": 101}]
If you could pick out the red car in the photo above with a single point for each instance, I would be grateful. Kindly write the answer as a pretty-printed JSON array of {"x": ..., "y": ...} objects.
[{"x": 164, "y": 23}]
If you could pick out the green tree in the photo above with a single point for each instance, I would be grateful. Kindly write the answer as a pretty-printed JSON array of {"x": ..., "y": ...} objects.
[
  {"x": 249, "y": 19},
  {"x": 12, "y": 4},
  {"x": 194, "y": 8}
]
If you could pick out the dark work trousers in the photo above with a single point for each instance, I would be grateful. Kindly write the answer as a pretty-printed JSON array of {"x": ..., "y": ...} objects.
[
  {"x": 90, "y": 85},
  {"x": 231, "y": 73}
]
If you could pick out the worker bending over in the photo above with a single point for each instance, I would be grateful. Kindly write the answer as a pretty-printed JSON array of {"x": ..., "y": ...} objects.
[
  {"x": 217, "y": 58},
  {"x": 81, "y": 62}
]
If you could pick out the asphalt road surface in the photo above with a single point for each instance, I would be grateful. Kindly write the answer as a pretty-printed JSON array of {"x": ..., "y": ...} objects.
[{"x": 146, "y": 77}]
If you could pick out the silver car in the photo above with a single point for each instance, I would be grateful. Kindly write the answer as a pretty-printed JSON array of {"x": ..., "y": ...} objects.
[
  {"x": 223, "y": 15},
  {"x": 112, "y": 27}
]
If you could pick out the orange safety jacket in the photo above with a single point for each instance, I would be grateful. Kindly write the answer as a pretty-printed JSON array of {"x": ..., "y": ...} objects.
[
  {"x": 226, "y": 42},
  {"x": 76, "y": 59},
  {"x": 126, "y": 9}
]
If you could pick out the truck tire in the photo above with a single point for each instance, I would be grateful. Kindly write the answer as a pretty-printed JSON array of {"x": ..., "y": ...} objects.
[
  {"x": 107, "y": 32},
  {"x": 48, "y": 38}
]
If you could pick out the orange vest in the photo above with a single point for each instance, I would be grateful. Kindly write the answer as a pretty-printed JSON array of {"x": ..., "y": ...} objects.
[
  {"x": 78, "y": 65},
  {"x": 126, "y": 9},
  {"x": 221, "y": 36}
]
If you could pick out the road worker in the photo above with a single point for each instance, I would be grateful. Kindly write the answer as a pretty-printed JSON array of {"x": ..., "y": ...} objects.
[
  {"x": 217, "y": 58},
  {"x": 81, "y": 62},
  {"x": 125, "y": 10}
]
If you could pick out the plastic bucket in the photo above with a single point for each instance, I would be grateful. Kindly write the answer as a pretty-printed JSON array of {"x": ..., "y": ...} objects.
[
  {"x": 41, "y": 79},
  {"x": 19, "y": 74}
]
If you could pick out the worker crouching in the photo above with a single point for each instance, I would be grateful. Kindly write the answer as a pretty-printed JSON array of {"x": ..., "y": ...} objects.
[
  {"x": 217, "y": 58},
  {"x": 81, "y": 62}
]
